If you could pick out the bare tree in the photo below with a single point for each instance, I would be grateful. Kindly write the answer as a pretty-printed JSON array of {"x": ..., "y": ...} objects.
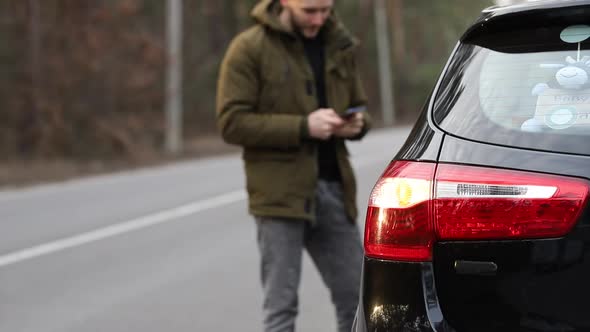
[
  {"x": 396, "y": 14},
  {"x": 174, "y": 77},
  {"x": 31, "y": 118},
  {"x": 385, "y": 79}
]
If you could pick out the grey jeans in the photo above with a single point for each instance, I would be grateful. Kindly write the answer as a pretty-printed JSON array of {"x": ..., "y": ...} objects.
[{"x": 333, "y": 243}]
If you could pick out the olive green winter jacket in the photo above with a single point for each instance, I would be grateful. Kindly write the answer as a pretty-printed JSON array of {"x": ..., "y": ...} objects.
[{"x": 265, "y": 92}]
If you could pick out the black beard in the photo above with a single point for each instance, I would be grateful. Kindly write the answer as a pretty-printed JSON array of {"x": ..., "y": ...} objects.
[{"x": 296, "y": 27}]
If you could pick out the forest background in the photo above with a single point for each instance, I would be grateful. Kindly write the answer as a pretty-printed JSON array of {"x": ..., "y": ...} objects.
[{"x": 82, "y": 83}]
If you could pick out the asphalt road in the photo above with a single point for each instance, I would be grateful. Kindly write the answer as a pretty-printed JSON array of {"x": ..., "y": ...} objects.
[{"x": 161, "y": 249}]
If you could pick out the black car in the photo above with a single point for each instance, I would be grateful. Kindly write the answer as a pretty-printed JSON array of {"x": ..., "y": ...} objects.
[{"x": 481, "y": 221}]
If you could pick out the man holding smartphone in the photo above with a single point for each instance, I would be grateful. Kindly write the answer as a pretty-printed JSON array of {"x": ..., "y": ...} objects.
[{"x": 284, "y": 89}]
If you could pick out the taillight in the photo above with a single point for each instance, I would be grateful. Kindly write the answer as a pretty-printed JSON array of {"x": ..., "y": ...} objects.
[
  {"x": 414, "y": 204},
  {"x": 481, "y": 203},
  {"x": 398, "y": 224}
]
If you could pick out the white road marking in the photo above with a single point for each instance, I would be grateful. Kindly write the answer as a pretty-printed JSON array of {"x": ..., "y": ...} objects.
[
  {"x": 123, "y": 227},
  {"x": 137, "y": 224}
]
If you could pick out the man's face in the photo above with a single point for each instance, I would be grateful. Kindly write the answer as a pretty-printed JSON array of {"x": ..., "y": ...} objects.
[{"x": 308, "y": 16}]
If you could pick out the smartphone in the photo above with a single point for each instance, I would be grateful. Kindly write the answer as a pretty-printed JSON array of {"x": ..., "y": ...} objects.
[{"x": 352, "y": 111}]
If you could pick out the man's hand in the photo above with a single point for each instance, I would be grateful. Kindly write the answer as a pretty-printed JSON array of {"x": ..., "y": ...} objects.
[
  {"x": 351, "y": 127},
  {"x": 323, "y": 123}
]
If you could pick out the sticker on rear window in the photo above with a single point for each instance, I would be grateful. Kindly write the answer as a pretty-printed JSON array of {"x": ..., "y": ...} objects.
[{"x": 564, "y": 102}]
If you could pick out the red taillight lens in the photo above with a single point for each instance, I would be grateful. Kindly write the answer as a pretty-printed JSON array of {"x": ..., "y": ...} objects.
[
  {"x": 481, "y": 203},
  {"x": 398, "y": 224},
  {"x": 410, "y": 207}
]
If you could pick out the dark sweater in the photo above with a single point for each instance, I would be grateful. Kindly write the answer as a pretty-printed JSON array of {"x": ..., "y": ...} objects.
[{"x": 315, "y": 51}]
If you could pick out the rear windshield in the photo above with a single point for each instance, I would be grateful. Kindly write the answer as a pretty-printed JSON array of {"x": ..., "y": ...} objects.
[{"x": 527, "y": 89}]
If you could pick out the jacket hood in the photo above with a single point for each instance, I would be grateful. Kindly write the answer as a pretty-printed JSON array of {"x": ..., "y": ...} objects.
[{"x": 266, "y": 13}]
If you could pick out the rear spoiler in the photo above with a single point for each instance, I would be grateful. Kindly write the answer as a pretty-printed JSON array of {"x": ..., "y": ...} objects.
[{"x": 529, "y": 14}]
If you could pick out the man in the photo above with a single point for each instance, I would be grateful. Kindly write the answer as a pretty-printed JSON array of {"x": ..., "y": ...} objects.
[{"x": 284, "y": 87}]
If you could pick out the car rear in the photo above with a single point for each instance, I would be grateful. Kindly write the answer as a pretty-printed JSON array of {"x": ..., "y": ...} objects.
[{"x": 481, "y": 222}]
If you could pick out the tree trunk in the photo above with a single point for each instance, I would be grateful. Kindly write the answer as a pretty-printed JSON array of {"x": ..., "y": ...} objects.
[
  {"x": 384, "y": 58},
  {"x": 174, "y": 77},
  {"x": 396, "y": 12},
  {"x": 399, "y": 53},
  {"x": 29, "y": 125}
]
